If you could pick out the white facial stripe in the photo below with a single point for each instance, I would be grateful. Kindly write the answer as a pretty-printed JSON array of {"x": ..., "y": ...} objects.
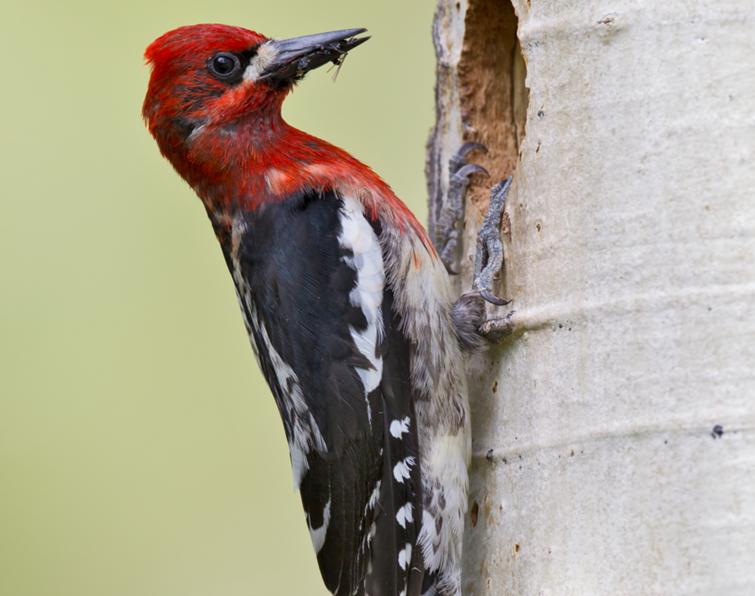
[{"x": 266, "y": 53}]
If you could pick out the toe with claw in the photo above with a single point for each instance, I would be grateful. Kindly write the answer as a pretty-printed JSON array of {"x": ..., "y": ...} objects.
[
  {"x": 451, "y": 219},
  {"x": 489, "y": 255},
  {"x": 489, "y": 261},
  {"x": 469, "y": 311},
  {"x": 497, "y": 329}
]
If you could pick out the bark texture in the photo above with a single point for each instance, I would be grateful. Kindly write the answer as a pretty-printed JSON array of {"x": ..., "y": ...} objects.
[{"x": 614, "y": 434}]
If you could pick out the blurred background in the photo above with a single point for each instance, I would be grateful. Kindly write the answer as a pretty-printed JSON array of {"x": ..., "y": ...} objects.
[{"x": 140, "y": 451}]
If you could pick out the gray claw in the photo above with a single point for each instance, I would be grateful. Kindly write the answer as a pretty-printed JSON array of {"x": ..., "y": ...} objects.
[
  {"x": 453, "y": 211},
  {"x": 493, "y": 299},
  {"x": 460, "y": 157},
  {"x": 466, "y": 171}
]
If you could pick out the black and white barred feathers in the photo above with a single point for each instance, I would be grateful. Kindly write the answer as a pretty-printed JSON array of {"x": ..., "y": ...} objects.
[{"x": 350, "y": 322}]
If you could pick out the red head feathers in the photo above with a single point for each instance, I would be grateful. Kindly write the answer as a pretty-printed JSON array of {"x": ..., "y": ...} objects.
[{"x": 214, "y": 106}]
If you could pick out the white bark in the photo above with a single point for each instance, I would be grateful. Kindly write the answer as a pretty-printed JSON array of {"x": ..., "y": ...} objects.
[{"x": 631, "y": 262}]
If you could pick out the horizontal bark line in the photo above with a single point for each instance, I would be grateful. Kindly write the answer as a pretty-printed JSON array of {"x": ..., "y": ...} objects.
[
  {"x": 494, "y": 454},
  {"x": 536, "y": 318}
]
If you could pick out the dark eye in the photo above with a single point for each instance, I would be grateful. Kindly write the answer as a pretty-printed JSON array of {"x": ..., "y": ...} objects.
[{"x": 224, "y": 66}]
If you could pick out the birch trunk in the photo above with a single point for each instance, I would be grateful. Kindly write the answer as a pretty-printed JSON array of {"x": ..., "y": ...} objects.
[{"x": 614, "y": 443}]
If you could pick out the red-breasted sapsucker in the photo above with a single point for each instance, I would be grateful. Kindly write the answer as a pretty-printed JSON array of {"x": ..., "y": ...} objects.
[{"x": 346, "y": 302}]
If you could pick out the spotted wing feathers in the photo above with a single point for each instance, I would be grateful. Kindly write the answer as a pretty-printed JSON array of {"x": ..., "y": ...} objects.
[{"x": 311, "y": 282}]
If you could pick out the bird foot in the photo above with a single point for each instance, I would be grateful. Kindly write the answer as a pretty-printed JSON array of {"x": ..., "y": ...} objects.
[
  {"x": 489, "y": 260},
  {"x": 469, "y": 311},
  {"x": 452, "y": 215}
]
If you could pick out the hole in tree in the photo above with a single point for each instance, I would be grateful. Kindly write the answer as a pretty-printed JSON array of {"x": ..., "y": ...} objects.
[{"x": 494, "y": 98}]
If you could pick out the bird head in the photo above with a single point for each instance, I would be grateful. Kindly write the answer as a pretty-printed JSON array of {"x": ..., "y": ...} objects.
[
  {"x": 213, "y": 105},
  {"x": 215, "y": 77},
  {"x": 219, "y": 73}
]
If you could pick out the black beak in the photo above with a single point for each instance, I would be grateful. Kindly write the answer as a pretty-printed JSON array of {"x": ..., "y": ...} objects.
[{"x": 291, "y": 59}]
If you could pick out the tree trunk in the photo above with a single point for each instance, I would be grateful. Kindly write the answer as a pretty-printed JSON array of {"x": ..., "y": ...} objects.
[{"x": 614, "y": 450}]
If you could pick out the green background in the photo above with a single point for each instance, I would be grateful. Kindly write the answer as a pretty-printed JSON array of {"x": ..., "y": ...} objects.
[{"x": 140, "y": 451}]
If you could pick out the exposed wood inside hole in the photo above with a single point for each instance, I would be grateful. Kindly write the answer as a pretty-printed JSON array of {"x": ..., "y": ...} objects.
[{"x": 494, "y": 98}]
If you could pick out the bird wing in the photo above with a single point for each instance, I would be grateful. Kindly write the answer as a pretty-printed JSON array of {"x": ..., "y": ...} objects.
[{"x": 310, "y": 276}]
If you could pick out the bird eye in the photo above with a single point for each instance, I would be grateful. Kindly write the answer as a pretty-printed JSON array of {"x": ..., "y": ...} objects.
[{"x": 224, "y": 66}]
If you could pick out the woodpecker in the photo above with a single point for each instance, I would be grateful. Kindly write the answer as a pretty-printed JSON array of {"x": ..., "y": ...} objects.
[{"x": 347, "y": 304}]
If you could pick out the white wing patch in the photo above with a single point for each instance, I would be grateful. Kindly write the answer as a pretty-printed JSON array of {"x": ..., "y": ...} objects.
[
  {"x": 405, "y": 515},
  {"x": 374, "y": 497},
  {"x": 404, "y": 556},
  {"x": 402, "y": 470},
  {"x": 305, "y": 433},
  {"x": 399, "y": 428},
  {"x": 358, "y": 236},
  {"x": 318, "y": 534}
]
